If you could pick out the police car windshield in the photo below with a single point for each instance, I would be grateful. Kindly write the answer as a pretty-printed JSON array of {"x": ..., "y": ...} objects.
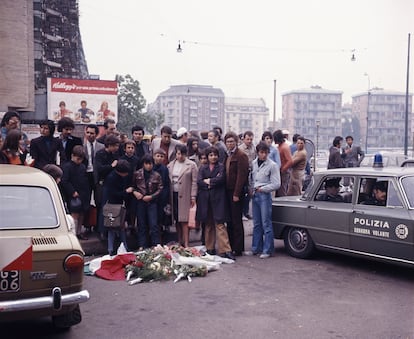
[{"x": 408, "y": 184}]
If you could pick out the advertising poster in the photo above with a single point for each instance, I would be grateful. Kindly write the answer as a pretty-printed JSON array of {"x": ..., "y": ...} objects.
[{"x": 84, "y": 101}]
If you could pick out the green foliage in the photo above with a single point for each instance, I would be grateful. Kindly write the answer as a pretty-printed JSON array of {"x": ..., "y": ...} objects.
[{"x": 131, "y": 104}]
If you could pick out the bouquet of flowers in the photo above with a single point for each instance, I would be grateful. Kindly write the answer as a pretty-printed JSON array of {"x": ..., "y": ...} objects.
[{"x": 162, "y": 262}]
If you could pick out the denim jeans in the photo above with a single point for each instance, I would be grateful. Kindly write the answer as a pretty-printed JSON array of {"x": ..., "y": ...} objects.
[
  {"x": 111, "y": 237},
  {"x": 263, "y": 241},
  {"x": 147, "y": 214}
]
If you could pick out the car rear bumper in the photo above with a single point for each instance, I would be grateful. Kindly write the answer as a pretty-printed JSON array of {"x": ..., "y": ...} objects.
[{"x": 55, "y": 301}]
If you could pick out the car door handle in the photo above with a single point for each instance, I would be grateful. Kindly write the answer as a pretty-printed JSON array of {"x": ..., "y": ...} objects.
[
  {"x": 313, "y": 207},
  {"x": 360, "y": 212}
]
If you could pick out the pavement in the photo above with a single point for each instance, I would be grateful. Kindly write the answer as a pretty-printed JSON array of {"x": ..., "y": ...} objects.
[{"x": 94, "y": 246}]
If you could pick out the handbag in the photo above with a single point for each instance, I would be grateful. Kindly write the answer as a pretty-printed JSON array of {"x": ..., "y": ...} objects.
[
  {"x": 192, "y": 217},
  {"x": 75, "y": 205},
  {"x": 114, "y": 215}
]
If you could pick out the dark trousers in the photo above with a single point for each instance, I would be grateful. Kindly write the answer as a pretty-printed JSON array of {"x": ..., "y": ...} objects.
[
  {"x": 235, "y": 227},
  {"x": 90, "y": 219},
  {"x": 147, "y": 213}
]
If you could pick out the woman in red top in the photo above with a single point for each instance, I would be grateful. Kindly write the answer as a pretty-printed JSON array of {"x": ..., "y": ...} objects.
[{"x": 11, "y": 152}]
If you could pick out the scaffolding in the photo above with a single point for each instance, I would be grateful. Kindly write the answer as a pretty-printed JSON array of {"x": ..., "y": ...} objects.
[{"x": 57, "y": 42}]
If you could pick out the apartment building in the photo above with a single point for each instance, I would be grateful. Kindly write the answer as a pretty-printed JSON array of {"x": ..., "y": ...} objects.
[
  {"x": 42, "y": 40},
  {"x": 16, "y": 56},
  {"x": 381, "y": 115},
  {"x": 314, "y": 113},
  {"x": 246, "y": 114},
  {"x": 195, "y": 107}
]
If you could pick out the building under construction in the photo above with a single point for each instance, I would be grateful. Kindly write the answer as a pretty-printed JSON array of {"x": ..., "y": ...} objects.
[{"x": 39, "y": 39}]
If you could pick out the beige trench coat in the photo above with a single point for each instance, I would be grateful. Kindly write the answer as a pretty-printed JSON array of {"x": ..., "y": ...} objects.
[{"x": 187, "y": 182}]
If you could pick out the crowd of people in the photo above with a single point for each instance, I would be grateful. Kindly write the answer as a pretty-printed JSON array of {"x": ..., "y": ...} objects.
[{"x": 224, "y": 176}]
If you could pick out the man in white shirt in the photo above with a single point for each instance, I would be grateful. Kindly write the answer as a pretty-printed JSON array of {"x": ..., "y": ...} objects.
[{"x": 91, "y": 146}]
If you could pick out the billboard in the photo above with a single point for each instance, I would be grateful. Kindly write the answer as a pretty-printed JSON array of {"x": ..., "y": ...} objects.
[{"x": 84, "y": 101}]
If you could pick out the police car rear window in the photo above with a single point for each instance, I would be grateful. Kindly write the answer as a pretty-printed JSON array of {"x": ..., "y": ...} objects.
[{"x": 26, "y": 207}]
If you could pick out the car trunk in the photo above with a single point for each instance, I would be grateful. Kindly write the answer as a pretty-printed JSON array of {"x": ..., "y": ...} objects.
[{"x": 47, "y": 272}]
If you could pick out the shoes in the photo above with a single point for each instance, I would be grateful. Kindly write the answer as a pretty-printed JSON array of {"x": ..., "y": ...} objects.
[
  {"x": 244, "y": 218},
  {"x": 237, "y": 253},
  {"x": 264, "y": 256},
  {"x": 82, "y": 236},
  {"x": 228, "y": 255},
  {"x": 211, "y": 252}
]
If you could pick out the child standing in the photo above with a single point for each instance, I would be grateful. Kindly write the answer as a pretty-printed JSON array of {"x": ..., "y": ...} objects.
[
  {"x": 147, "y": 185},
  {"x": 76, "y": 185},
  {"x": 163, "y": 199}
]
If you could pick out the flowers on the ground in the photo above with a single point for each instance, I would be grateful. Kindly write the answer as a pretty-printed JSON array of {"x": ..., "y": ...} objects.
[{"x": 163, "y": 262}]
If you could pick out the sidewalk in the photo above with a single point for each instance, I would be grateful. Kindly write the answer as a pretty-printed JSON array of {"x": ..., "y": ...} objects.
[{"x": 94, "y": 246}]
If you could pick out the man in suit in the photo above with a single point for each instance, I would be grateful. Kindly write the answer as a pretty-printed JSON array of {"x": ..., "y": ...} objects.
[
  {"x": 237, "y": 171},
  {"x": 66, "y": 127},
  {"x": 166, "y": 143},
  {"x": 91, "y": 146},
  {"x": 353, "y": 154}
]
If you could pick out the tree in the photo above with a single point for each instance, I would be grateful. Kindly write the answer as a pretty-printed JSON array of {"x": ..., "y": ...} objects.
[{"x": 131, "y": 104}]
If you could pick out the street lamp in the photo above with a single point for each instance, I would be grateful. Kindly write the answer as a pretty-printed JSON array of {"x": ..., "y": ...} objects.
[
  {"x": 368, "y": 99},
  {"x": 317, "y": 144}
]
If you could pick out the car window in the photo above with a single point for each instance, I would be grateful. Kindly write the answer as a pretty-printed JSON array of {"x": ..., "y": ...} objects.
[
  {"x": 336, "y": 189},
  {"x": 365, "y": 189},
  {"x": 408, "y": 185},
  {"x": 309, "y": 188},
  {"x": 378, "y": 192},
  {"x": 26, "y": 207},
  {"x": 393, "y": 198}
]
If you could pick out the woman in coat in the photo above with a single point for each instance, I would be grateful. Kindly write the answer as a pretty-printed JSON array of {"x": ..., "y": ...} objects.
[
  {"x": 183, "y": 178},
  {"x": 212, "y": 204}
]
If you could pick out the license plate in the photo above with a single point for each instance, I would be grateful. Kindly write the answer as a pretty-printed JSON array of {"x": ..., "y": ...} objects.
[{"x": 9, "y": 281}]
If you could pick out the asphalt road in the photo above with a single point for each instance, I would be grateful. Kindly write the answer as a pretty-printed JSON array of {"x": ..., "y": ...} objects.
[{"x": 330, "y": 296}]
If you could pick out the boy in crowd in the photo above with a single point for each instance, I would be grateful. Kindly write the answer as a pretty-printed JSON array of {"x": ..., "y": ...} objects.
[
  {"x": 164, "y": 197},
  {"x": 147, "y": 188}
]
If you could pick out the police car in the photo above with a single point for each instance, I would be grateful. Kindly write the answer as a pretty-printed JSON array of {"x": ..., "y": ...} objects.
[
  {"x": 366, "y": 212},
  {"x": 41, "y": 260}
]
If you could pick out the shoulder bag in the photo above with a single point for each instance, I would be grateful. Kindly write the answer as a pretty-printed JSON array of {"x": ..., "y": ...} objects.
[{"x": 114, "y": 215}]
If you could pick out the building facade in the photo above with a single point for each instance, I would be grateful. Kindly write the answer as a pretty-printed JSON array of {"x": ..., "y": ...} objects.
[
  {"x": 382, "y": 118},
  {"x": 41, "y": 39},
  {"x": 16, "y": 56},
  {"x": 246, "y": 114},
  {"x": 195, "y": 107},
  {"x": 314, "y": 113}
]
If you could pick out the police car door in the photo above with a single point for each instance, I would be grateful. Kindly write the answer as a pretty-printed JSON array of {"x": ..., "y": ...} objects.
[
  {"x": 328, "y": 219},
  {"x": 382, "y": 231}
]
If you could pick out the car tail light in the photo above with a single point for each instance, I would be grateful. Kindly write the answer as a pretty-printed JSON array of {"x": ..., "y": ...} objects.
[{"x": 73, "y": 263}]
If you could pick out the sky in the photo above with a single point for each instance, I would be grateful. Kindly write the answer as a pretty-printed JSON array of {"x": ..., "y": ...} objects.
[{"x": 242, "y": 46}]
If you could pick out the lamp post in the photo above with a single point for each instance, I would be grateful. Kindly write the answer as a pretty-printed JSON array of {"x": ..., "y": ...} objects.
[
  {"x": 274, "y": 103},
  {"x": 368, "y": 99},
  {"x": 317, "y": 144}
]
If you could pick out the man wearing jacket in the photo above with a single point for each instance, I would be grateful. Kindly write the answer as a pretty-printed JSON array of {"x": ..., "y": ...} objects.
[{"x": 237, "y": 171}]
